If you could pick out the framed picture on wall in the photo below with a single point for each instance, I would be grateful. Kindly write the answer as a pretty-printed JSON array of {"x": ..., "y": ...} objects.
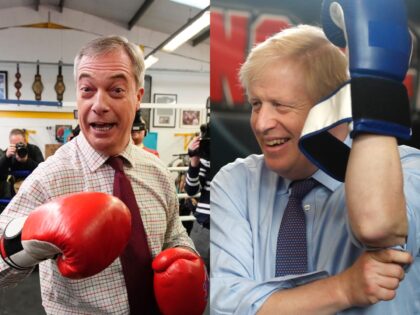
[
  {"x": 3, "y": 85},
  {"x": 190, "y": 118},
  {"x": 62, "y": 132},
  {"x": 164, "y": 117},
  {"x": 165, "y": 98}
]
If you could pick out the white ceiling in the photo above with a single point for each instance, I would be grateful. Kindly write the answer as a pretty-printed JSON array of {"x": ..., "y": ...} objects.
[
  {"x": 162, "y": 15},
  {"x": 161, "y": 19}
]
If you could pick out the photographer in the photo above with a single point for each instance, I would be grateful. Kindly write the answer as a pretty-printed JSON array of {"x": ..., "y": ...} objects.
[
  {"x": 20, "y": 155},
  {"x": 198, "y": 175},
  {"x": 139, "y": 132}
]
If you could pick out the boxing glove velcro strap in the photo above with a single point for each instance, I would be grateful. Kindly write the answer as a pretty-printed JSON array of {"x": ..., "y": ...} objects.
[
  {"x": 11, "y": 248},
  {"x": 380, "y": 106},
  {"x": 327, "y": 152}
]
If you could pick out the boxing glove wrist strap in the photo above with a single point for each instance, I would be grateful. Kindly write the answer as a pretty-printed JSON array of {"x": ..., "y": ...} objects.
[
  {"x": 380, "y": 106},
  {"x": 11, "y": 249},
  {"x": 371, "y": 105}
]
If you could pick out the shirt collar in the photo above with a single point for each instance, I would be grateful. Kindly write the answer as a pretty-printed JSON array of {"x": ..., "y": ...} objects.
[
  {"x": 326, "y": 180},
  {"x": 320, "y": 176},
  {"x": 129, "y": 153},
  {"x": 282, "y": 184},
  {"x": 96, "y": 159},
  {"x": 332, "y": 184}
]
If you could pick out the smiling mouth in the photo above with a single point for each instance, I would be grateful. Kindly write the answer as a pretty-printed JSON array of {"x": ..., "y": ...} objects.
[
  {"x": 102, "y": 126},
  {"x": 276, "y": 142}
]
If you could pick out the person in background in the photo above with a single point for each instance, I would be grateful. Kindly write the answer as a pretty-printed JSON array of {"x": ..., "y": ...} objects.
[
  {"x": 198, "y": 180},
  {"x": 19, "y": 160},
  {"x": 20, "y": 155},
  {"x": 6, "y": 190},
  {"x": 139, "y": 132},
  {"x": 286, "y": 237},
  {"x": 74, "y": 133}
]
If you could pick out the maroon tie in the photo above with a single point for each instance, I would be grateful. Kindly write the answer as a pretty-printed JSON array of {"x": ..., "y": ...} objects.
[{"x": 136, "y": 259}]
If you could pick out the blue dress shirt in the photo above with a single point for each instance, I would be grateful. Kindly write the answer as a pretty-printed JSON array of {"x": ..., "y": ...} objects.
[{"x": 248, "y": 201}]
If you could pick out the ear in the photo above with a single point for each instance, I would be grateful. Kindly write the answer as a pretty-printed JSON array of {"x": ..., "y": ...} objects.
[{"x": 139, "y": 95}]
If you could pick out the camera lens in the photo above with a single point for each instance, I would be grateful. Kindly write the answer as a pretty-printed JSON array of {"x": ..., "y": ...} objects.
[
  {"x": 21, "y": 150},
  {"x": 204, "y": 148}
]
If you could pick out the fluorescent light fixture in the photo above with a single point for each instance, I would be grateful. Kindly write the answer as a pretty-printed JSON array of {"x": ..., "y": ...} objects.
[
  {"x": 201, "y": 4},
  {"x": 150, "y": 60},
  {"x": 194, "y": 28}
]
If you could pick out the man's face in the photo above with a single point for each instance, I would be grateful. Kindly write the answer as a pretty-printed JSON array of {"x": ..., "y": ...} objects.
[
  {"x": 107, "y": 99},
  {"x": 138, "y": 136},
  {"x": 14, "y": 139},
  {"x": 280, "y": 104}
]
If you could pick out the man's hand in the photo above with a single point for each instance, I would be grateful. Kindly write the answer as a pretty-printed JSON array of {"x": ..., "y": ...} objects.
[
  {"x": 11, "y": 151},
  {"x": 374, "y": 277},
  {"x": 193, "y": 147}
]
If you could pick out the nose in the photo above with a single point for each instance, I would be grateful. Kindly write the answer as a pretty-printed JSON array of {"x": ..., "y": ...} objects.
[
  {"x": 100, "y": 102},
  {"x": 265, "y": 119}
]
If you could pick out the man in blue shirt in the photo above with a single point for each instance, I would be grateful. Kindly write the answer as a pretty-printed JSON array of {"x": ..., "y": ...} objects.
[{"x": 350, "y": 228}]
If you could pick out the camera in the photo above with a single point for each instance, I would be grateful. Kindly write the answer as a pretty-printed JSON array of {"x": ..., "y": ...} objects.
[
  {"x": 203, "y": 150},
  {"x": 204, "y": 147},
  {"x": 21, "y": 149}
]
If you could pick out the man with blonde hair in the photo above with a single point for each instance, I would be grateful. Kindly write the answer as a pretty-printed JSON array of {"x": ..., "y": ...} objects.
[{"x": 287, "y": 238}]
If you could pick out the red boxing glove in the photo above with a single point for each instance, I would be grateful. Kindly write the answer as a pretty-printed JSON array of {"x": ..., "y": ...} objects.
[
  {"x": 180, "y": 282},
  {"x": 87, "y": 231}
]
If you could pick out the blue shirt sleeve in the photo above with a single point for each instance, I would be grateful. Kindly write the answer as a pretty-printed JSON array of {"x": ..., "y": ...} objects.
[{"x": 410, "y": 159}]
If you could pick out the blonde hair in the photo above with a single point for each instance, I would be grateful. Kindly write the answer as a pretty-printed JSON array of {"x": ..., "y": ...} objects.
[
  {"x": 324, "y": 65},
  {"x": 104, "y": 45}
]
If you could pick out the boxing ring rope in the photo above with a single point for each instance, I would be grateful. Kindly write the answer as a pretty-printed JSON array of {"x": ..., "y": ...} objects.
[{"x": 183, "y": 195}]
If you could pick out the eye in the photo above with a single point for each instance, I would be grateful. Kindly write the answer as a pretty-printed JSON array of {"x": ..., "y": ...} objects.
[
  {"x": 280, "y": 107},
  {"x": 117, "y": 91},
  {"x": 86, "y": 91},
  {"x": 255, "y": 105}
]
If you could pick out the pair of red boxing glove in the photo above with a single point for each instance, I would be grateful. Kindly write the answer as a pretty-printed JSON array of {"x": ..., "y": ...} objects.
[{"x": 75, "y": 228}]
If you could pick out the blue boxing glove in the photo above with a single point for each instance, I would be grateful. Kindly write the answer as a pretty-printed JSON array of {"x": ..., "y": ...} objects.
[
  {"x": 379, "y": 49},
  {"x": 375, "y": 100}
]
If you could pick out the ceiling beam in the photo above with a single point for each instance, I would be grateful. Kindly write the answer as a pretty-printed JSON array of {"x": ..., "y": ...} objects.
[
  {"x": 189, "y": 22},
  {"x": 61, "y": 6},
  {"x": 139, "y": 13},
  {"x": 201, "y": 37}
]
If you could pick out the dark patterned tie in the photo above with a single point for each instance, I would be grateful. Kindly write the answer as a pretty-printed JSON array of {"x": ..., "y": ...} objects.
[
  {"x": 292, "y": 256},
  {"x": 136, "y": 259}
]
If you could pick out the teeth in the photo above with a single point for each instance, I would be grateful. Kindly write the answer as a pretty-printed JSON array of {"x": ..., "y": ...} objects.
[
  {"x": 102, "y": 127},
  {"x": 276, "y": 141}
]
